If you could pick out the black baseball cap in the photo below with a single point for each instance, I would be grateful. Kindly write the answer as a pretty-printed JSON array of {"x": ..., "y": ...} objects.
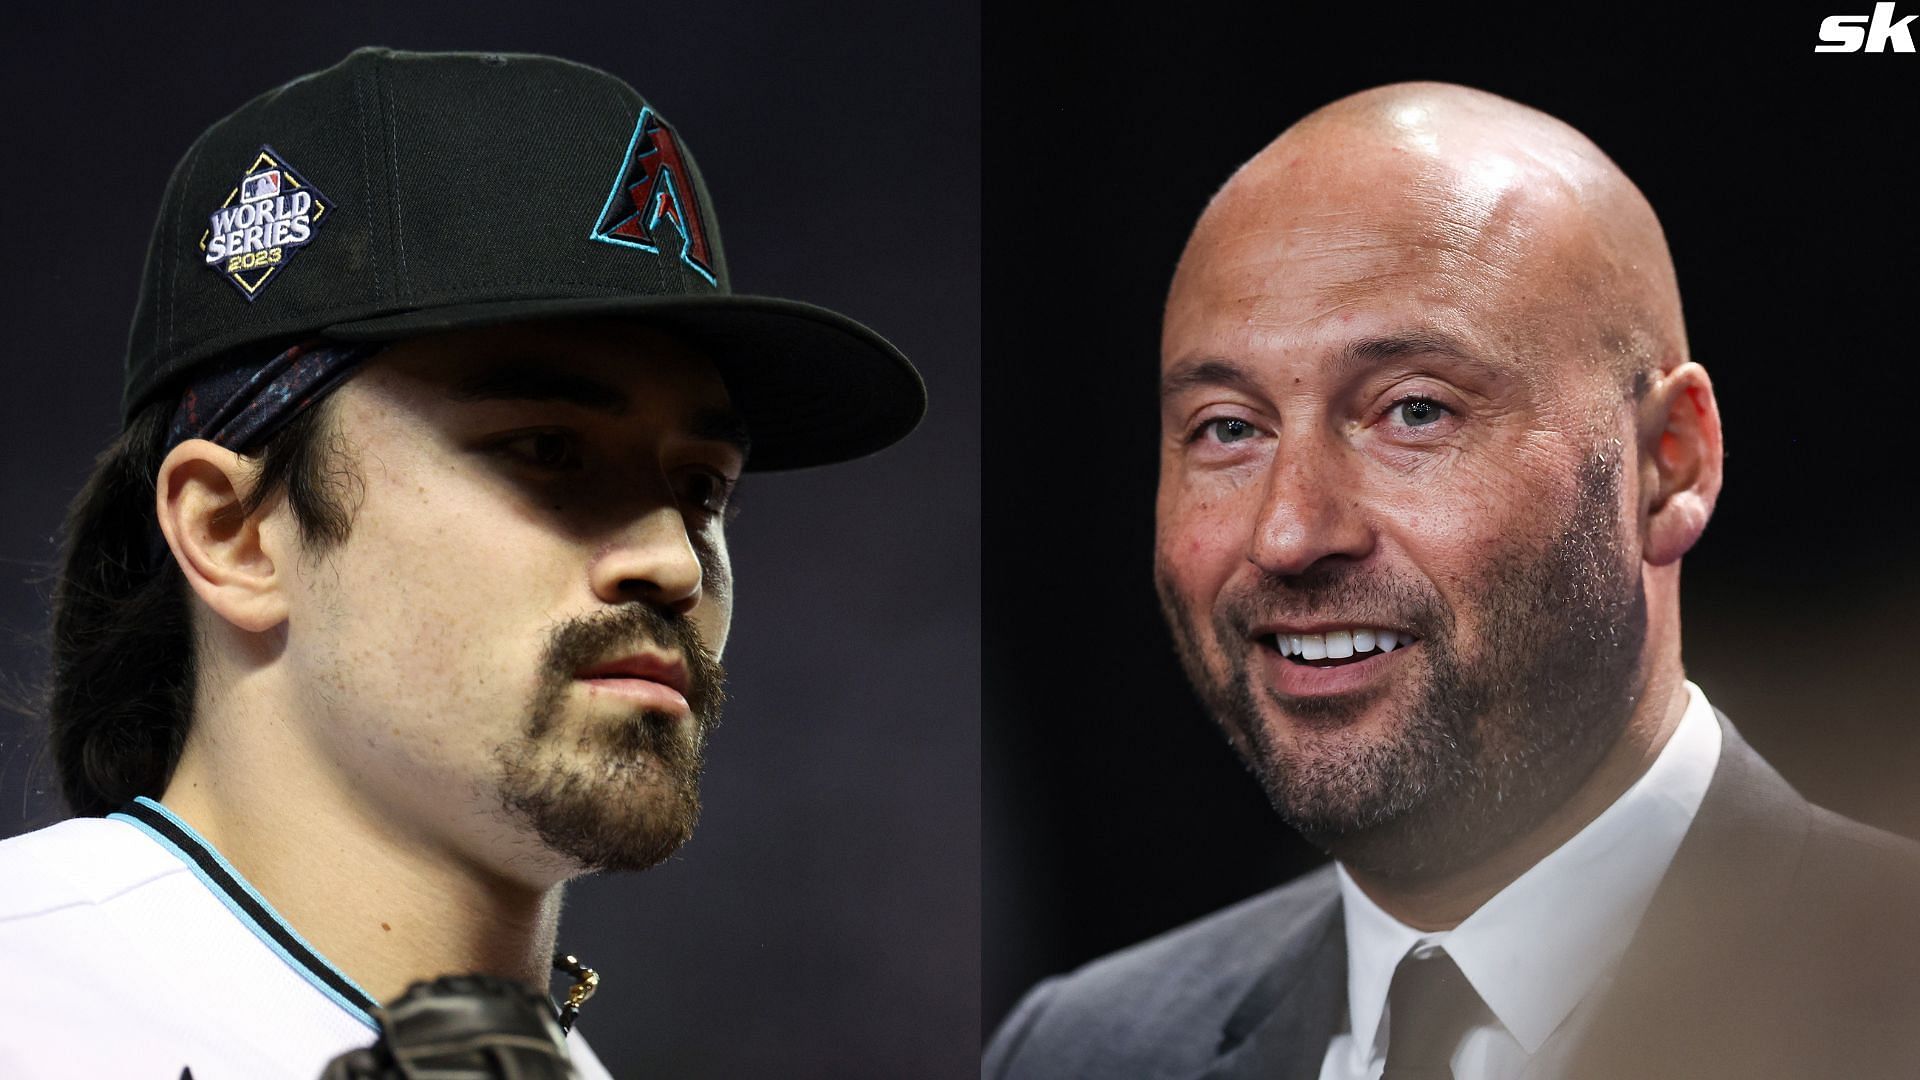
[{"x": 398, "y": 194}]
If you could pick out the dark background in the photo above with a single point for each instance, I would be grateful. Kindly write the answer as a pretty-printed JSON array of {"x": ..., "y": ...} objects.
[
  {"x": 825, "y": 920},
  {"x": 1114, "y": 809}
]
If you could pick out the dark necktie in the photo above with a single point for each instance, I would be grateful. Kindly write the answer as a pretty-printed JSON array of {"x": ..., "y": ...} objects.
[{"x": 1429, "y": 1007}]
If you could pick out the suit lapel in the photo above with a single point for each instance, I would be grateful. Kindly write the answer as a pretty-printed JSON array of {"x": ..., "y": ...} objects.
[
  {"x": 1281, "y": 1028},
  {"x": 1721, "y": 895}
]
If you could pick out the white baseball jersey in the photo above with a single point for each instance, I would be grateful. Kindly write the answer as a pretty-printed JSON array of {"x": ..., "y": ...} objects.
[{"x": 130, "y": 949}]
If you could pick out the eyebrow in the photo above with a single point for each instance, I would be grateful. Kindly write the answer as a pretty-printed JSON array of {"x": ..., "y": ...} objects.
[
  {"x": 722, "y": 426},
  {"x": 1366, "y": 352},
  {"x": 1197, "y": 374},
  {"x": 530, "y": 381}
]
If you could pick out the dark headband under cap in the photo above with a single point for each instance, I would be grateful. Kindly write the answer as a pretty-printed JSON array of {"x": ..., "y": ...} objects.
[{"x": 240, "y": 407}]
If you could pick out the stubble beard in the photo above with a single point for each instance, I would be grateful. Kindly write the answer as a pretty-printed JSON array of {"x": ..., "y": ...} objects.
[
  {"x": 1485, "y": 748},
  {"x": 626, "y": 794}
]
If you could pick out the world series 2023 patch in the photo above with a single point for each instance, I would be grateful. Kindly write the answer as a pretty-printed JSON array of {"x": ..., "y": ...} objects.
[{"x": 267, "y": 218}]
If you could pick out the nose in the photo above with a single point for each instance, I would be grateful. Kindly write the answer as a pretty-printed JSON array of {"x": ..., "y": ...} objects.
[
  {"x": 651, "y": 559},
  {"x": 1312, "y": 510}
]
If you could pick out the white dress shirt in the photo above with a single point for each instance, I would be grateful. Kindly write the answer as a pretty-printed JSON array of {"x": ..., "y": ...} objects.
[{"x": 1547, "y": 944}]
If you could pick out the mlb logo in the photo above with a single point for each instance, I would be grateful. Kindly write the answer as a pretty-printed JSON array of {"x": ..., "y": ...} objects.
[
  {"x": 265, "y": 220},
  {"x": 261, "y": 186}
]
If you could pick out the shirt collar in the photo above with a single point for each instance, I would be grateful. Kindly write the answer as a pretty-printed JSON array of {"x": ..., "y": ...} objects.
[{"x": 1538, "y": 946}]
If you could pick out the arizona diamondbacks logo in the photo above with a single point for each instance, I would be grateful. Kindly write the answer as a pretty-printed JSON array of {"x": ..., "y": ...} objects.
[
  {"x": 268, "y": 216},
  {"x": 655, "y": 185}
]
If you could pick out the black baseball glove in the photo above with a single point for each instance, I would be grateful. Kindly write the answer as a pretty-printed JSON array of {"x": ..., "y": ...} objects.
[{"x": 462, "y": 1027}]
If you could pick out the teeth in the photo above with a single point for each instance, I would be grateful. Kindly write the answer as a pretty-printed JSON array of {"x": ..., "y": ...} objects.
[{"x": 1340, "y": 644}]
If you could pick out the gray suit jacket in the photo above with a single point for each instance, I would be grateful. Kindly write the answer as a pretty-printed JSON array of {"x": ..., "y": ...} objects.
[{"x": 1781, "y": 943}]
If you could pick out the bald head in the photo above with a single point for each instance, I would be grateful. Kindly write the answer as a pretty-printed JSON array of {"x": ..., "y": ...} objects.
[{"x": 1455, "y": 196}]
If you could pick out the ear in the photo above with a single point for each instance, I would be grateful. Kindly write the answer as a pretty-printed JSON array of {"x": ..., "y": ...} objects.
[
  {"x": 227, "y": 558},
  {"x": 1679, "y": 461}
]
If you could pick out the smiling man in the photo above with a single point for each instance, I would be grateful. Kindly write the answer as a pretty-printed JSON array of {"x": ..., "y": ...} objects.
[
  {"x": 1432, "y": 449},
  {"x": 399, "y": 601}
]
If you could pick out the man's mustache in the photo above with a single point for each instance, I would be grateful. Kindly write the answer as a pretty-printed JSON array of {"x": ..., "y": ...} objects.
[
  {"x": 590, "y": 639},
  {"x": 1338, "y": 594}
]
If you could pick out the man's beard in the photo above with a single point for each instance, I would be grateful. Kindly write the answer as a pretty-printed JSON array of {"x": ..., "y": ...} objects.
[
  {"x": 631, "y": 794},
  {"x": 1488, "y": 747}
]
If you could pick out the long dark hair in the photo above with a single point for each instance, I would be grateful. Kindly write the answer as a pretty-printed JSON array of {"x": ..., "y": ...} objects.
[{"x": 121, "y": 679}]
